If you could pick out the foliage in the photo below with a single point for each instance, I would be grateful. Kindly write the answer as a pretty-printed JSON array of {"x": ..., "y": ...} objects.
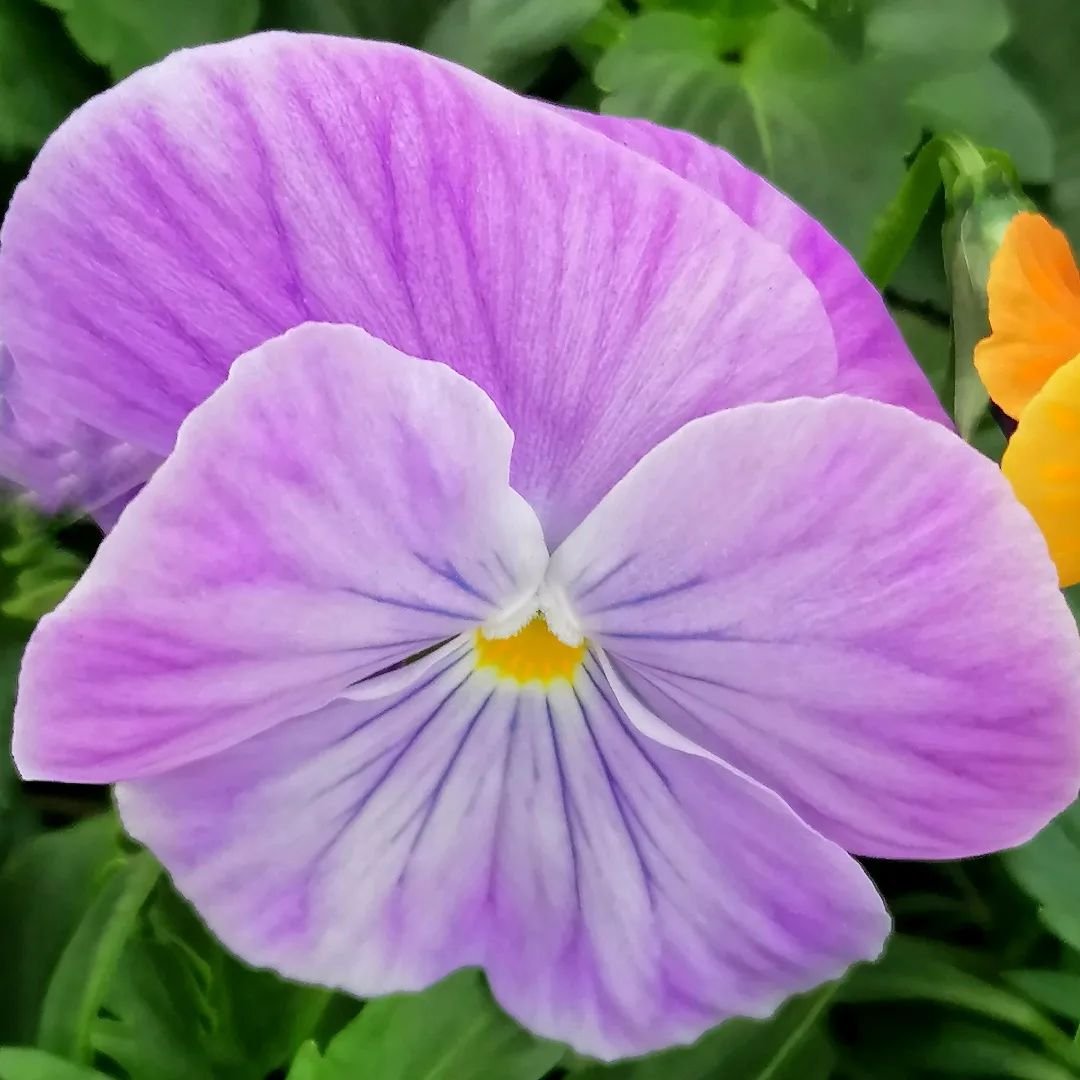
[
  {"x": 1042, "y": 52},
  {"x": 42, "y": 76},
  {"x": 792, "y": 1045},
  {"x": 454, "y": 1031},
  {"x": 123, "y": 36},
  {"x": 831, "y": 124},
  {"x": 874, "y": 114}
]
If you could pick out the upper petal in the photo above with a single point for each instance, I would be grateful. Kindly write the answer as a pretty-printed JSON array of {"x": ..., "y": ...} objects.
[
  {"x": 232, "y": 191},
  {"x": 1042, "y": 462},
  {"x": 847, "y": 603},
  {"x": 1034, "y": 295},
  {"x": 874, "y": 361},
  {"x": 621, "y": 895},
  {"x": 334, "y": 508}
]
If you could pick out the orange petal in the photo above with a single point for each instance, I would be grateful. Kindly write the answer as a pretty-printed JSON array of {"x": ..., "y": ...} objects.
[
  {"x": 1042, "y": 462},
  {"x": 1034, "y": 293}
]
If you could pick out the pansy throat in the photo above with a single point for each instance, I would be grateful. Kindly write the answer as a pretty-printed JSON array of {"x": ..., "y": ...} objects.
[{"x": 532, "y": 654}]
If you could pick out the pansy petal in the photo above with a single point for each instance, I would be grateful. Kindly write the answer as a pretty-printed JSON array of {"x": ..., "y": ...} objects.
[
  {"x": 230, "y": 192},
  {"x": 334, "y": 508},
  {"x": 1034, "y": 294},
  {"x": 620, "y": 895},
  {"x": 874, "y": 361},
  {"x": 1042, "y": 462},
  {"x": 847, "y": 603},
  {"x": 62, "y": 463}
]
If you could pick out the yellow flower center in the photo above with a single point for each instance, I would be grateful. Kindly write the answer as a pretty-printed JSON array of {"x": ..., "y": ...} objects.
[{"x": 533, "y": 654}]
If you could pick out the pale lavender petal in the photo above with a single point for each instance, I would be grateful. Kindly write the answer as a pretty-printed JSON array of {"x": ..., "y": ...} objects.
[
  {"x": 62, "y": 463},
  {"x": 847, "y": 603},
  {"x": 621, "y": 896},
  {"x": 334, "y": 508},
  {"x": 233, "y": 191},
  {"x": 874, "y": 360}
]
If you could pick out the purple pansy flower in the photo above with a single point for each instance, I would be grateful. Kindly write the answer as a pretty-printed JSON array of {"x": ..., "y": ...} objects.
[{"x": 695, "y": 602}]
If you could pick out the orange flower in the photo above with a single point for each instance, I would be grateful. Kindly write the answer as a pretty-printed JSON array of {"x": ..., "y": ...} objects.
[{"x": 1030, "y": 365}]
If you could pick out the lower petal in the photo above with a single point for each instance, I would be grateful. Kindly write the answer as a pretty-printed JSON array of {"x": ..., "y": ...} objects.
[
  {"x": 1042, "y": 462},
  {"x": 622, "y": 896}
]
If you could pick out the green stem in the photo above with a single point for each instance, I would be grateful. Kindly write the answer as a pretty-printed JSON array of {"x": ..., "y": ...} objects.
[
  {"x": 896, "y": 229},
  {"x": 940, "y": 163}
]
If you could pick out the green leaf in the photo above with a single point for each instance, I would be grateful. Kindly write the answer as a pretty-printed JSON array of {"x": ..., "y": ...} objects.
[
  {"x": 968, "y": 1051},
  {"x": 45, "y": 886},
  {"x": 402, "y": 20},
  {"x": 718, "y": 9},
  {"x": 655, "y": 59},
  {"x": 22, "y": 1063},
  {"x": 180, "y": 1006},
  {"x": 929, "y": 29},
  {"x": 1042, "y": 54},
  {"x": 83, "y": 975},
  {"x": 267, "y": 1018},
  {"x": 155, "y": 1020},
  {"x": 454, "y": 1031},
  {"x": 16, "y": 820},
  {"x": 1047, "y": 868},
  {"x": 36, "y": 572},
  {"x": 792, "y": 1045},
  {"x": 830, "y": 125},
  {"x": 41, "y": 77},
  {"x": 733, "y": 23},
  {"x": 900, "y": 1045},
  {"x": 916, "y": 970},
  {"x": 989, "y": 107},
  {"x": 498, "y": 37},
  {"x": 307, "y": 1063},
  {"x": 123, "y": 35},
  {"x": 830, "y": 131},
  {"x": 1056, "y": 991}
]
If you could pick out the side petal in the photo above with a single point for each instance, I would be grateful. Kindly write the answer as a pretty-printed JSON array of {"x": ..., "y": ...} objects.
[
  {"x": 334, "y": 508},
  {"x": 1042, "y": 462},
  {"x": 233, "y": 191},
  {"x": 1034, "y": 294},
  {"x": 62, "y": 463},
  {"x": 873, "y": 360},
  {"x": 621, "y": 896},
  {"x": 847, "y": 603}
]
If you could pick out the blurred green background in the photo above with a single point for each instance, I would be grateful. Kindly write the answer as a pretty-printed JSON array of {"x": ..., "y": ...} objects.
[{"x": 103, "y": 969}]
